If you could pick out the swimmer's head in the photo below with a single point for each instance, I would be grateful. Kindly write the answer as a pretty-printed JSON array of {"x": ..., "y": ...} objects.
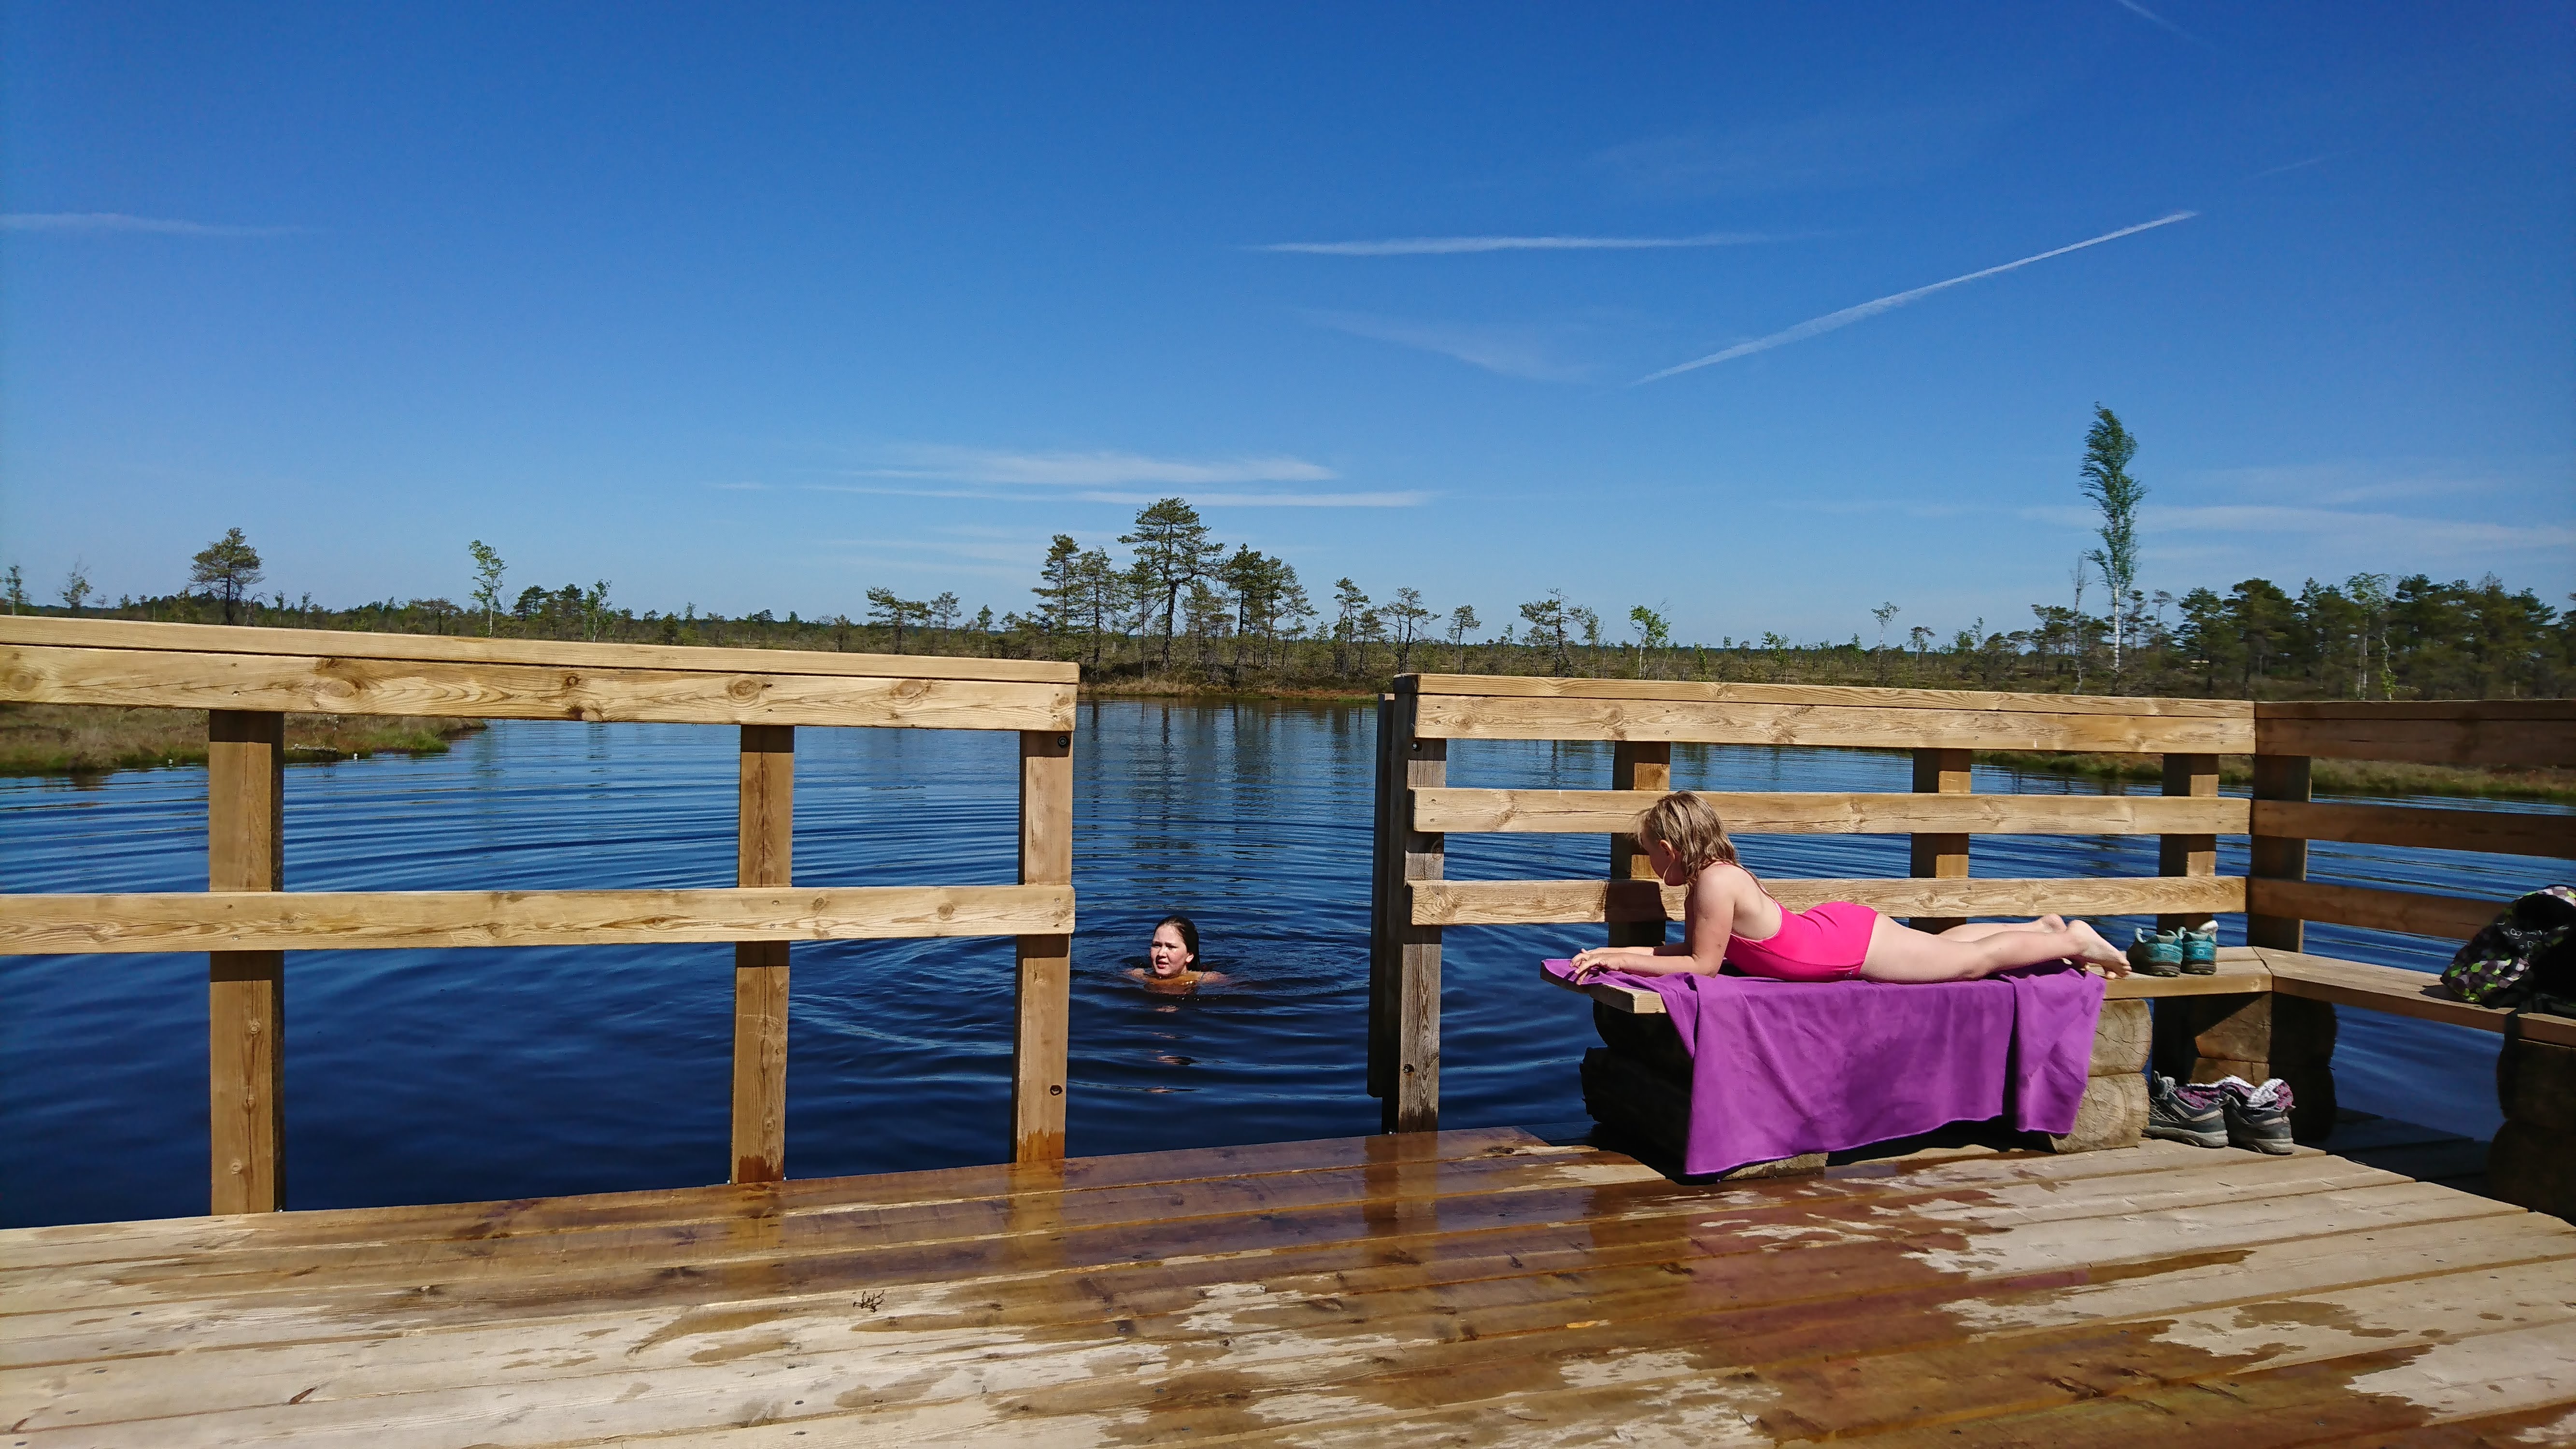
[
  {"x": 1175, "y": 947},
  {"x": 1692, "y": 837}
]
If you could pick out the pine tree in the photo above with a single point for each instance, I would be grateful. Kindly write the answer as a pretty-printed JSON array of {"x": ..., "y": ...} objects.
[
  {"x": 1173, "y": 551},
  {"x": 228, "y": 567}
]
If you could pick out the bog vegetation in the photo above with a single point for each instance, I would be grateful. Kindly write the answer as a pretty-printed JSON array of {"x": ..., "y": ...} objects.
[
  {"x": 1180, "y": 611},
  {"x": 1173, "y": 609}
]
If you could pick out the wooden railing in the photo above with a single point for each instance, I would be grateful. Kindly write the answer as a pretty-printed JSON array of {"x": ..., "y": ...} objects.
[
  {"x": 1418, "y": 808},
  {"x": 249, "y": 679},
  {"x": 2539, "y": 732}
]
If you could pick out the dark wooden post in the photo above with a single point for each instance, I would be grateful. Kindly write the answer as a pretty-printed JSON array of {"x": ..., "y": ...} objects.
[
  {"x": 763, "y": 848},
  {"x": 1383, "y": 853},
  {"x": 2195, "y": 776},
  {"x": 1646, "y": 766},
  {"x": 246, "y": 990},
  {"x": 2278, "y": 857},
  {"x": 1941, "y": 855},
  {"x": 2533, "y": 1160},
  {"x": 1041, "y": 1032},
  {"x": 1413, "y": 1104}
]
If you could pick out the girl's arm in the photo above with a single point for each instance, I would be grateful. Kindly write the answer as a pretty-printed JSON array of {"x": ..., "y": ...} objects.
[{"x": 1708, "y": 918}]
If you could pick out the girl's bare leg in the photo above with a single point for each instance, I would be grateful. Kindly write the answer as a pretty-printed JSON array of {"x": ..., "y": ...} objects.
[
  {"x": 1898, "y": 952},
  {"x": 1980, "y": 930}
]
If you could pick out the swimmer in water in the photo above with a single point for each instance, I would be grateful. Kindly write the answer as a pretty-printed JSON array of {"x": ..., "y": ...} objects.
[{"x": 1172, "y": 958}]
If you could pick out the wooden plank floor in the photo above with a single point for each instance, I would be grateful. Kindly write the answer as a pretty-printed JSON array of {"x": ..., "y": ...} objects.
[{"x": 1480, "y": 1287}]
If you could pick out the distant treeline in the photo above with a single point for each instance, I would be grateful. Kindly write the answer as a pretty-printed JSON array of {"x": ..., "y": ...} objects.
[{"x": 1182, "y": 612}]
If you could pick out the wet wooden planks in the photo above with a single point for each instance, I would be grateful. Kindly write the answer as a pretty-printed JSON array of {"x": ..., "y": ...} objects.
[{"x": 1477, "y": 1287}]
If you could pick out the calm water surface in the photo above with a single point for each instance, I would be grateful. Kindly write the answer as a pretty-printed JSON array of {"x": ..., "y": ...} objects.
[{"x": 419, "y": 1076}]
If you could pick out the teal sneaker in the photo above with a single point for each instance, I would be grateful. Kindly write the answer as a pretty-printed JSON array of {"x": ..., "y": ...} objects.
[
  {"x": 2156, "y": 953},
  {"x": 2200, "y": 950}
]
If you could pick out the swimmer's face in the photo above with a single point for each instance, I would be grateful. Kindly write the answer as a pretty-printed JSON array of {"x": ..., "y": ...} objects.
[{"x": 1168, "y": 955}]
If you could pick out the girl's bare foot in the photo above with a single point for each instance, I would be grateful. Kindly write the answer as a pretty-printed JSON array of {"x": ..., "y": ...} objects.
[{"x": 2097, "y": 951}]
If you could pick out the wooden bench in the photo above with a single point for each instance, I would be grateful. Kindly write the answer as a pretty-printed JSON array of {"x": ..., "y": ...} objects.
[
  {"x": 1638, "y": 1080},
  {"x": 2271, "y": 1011}
]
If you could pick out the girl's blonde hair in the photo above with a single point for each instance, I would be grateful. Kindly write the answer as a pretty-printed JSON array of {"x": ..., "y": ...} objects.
[{"x": 1690, "y": 826}]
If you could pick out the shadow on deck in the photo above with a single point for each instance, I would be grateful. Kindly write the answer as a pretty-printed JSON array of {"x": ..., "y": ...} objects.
[{"x": 1465, "y": 1287}]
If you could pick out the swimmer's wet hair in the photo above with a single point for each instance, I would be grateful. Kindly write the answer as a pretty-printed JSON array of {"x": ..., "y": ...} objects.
[
  {"x": 1690, "y": 826},
  {"x": 1189, "y": 930}
]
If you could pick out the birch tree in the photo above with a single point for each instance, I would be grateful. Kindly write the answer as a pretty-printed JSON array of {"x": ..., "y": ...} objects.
[{"x": 2107, "y": 451}]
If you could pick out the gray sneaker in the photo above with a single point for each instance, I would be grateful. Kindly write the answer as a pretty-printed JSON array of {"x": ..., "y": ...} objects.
[
  {"x": 2257, "y": 1117},
  {"x": 2182, "y": 1112}
]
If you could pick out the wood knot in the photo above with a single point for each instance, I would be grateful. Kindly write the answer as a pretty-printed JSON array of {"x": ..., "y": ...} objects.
[{"x": 744, "y": 688}]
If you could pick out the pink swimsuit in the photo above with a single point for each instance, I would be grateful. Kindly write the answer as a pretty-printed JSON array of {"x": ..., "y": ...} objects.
[{"x": 1827, "y": 942}]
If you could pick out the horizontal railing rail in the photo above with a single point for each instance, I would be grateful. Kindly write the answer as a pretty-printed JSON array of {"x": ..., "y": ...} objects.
[
  {"x": 248, "y": 680},
  {"x": 116, "y": 663},
  {"x": 389, "y": 920},
  {"x": 1575, "y": 902},
  {"x": 1786, "y": 812},
  {"x": 2523, "y": 733},
  {"x": 1454, "y": 706}
]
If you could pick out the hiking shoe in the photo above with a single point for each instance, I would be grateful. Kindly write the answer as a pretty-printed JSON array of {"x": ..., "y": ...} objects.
[
  {"x": 2182, "y": 1112},
  {"x": 2200, "y": 950},
  {"x": 2156, "y": 953},
  {"x": 2257, "y": 1117}
]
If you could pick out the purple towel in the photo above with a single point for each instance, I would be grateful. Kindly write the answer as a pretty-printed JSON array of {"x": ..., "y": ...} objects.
[{"x": 1784, "y": 1067}]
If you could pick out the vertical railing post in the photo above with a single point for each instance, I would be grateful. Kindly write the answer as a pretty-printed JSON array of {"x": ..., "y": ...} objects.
[
  {"x": 763, "y": 848},
  {"x": 1040, "y": 1030},
  {"x": 246, "y": 990},
  {"x": 1383, "y": 854},
  {"x": 1417, "y": 764},
  {"x": 1645, "y": 765},
  {"x": 2278, "y": 857},
  {"x": 1941, "y": 855},
  {"x": 2195, "y": 777}
]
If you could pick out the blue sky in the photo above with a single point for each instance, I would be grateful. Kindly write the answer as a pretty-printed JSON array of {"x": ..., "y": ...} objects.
[{"x": 758, "y": 307}]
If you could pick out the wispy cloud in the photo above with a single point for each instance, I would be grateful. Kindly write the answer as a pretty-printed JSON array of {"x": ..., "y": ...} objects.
[
  {"x": 1408, "y": 499},
  {"x": 2298, "y": 165},
  {"x": 2227, "y": 527},
  {"x": 1447, "y": 246},
  {"x": 1815, "y": 326},
  {"x": 117, "y": 221},
  {"x": 1511, "y": 351},
  {"x": 1104, "y": 468},
  {"x": 2398, "y": 534},
  {"x": 2152, "y": 18},
  {"x": 1210, "y": 500}
]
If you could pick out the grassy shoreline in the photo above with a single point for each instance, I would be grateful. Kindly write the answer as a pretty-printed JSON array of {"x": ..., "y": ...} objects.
[
  {"x": 2327, "y": 777},
  {"x": 78, "y": 741}
]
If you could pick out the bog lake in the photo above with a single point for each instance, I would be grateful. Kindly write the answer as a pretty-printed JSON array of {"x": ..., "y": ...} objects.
[{"x": 419, "y": 1076}]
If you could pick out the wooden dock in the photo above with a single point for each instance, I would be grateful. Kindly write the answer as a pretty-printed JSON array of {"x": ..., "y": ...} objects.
[{"x": 1461, "y": 1287}]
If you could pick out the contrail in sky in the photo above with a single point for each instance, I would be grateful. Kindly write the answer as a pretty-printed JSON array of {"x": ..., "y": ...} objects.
[
  {"x": 1849, "y": 315},
  {"x": 1442, "y": 246},
  {"x": 97, "y": 221}
]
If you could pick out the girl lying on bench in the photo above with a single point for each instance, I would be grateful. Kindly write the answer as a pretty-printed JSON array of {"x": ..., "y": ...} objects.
[{"x": 1729, "y": 917}]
